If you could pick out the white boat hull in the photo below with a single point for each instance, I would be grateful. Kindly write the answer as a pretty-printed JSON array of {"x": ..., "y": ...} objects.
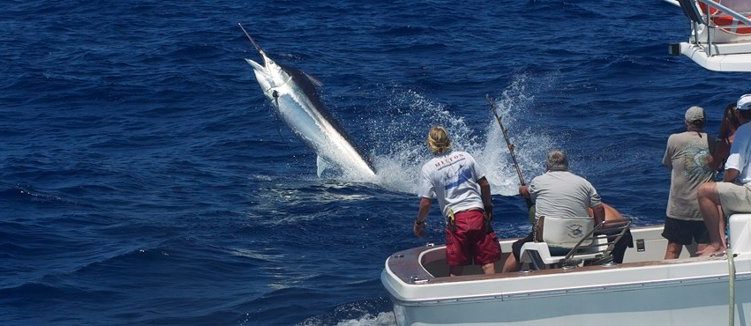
[
  {"x": 674, "y": 302},
  {"x": 740, "y": 62}
]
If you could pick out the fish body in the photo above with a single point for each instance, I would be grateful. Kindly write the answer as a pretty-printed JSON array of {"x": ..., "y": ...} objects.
[{"x": 294, "y": 95}]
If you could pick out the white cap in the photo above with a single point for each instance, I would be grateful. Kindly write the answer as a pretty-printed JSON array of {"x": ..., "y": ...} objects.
[
  {"x": 695, "y": 113},
  {"x": 744, "y": 103}
]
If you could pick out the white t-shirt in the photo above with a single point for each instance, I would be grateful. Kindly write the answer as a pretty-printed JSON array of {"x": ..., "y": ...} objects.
[
  {"x": 452, "y": 179},
  {"x": 740, "y": 153}
]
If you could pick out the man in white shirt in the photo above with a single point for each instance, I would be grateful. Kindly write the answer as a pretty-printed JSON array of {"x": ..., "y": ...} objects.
[{"x": 463, "y": 193}]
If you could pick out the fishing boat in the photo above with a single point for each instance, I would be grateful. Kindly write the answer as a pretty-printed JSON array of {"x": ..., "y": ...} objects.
[
  {"x": 720, "y": 37},
  {"x": 644, "y": 290}
]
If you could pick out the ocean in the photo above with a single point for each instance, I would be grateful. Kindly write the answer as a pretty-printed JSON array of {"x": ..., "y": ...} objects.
[{"x": 146, "y": 180}]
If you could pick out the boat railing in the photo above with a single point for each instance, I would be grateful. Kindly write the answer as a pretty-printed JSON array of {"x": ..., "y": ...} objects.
[{"x": 713, "y": 23}]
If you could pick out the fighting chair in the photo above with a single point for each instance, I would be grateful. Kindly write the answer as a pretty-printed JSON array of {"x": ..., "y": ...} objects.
[{"x": 571, "y": 242}]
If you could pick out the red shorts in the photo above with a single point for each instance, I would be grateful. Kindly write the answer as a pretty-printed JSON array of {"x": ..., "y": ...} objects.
[{"x": 470, "y": 240}]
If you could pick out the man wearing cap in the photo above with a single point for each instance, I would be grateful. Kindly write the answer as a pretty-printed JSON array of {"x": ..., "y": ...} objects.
[
  {"x": 688, "y": 157},
  {"x": 733, "y": 194},
  {"x": 459, "y": 184}
]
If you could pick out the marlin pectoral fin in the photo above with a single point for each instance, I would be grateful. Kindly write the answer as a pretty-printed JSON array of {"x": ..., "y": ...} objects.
[
  {"x": 325, "y": 167},
  {"x": 321, "y": 165}
]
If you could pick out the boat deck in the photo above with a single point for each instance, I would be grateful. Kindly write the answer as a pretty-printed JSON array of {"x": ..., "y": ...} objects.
[{"x": 427, "y": 264}]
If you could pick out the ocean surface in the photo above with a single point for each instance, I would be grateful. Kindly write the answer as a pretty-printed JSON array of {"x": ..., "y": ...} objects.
[{"x": 146, "y": 180}]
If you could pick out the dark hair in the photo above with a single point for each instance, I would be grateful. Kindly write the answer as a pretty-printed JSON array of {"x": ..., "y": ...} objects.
[
  {"x": 699, "y": 124},
  {"x": 729, "y": 122}
]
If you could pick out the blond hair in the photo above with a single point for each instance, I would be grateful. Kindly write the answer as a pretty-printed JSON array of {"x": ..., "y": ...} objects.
[{"x": 438, "y": 140}]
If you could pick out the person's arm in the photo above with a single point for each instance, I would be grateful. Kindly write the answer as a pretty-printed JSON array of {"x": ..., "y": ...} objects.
[
  {"x": 667, "y": 158},
  {"x": 718, "y": 154},
  {"x": 730, "y": 175},
  {"x": 422, "y": 215},
  {"x": 598, "y": 213},
  {"x": 487, "y": 200}
]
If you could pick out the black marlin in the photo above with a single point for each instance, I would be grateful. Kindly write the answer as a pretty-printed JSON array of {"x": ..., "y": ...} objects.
[{"x": 294, "y": 94}]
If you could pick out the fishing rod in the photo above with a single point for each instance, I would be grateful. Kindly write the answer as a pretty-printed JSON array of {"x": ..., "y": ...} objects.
[{"x": 510, "y": 146}]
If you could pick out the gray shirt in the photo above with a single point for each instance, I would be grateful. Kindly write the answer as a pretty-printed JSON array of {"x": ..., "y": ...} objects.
[
  {"x": 687, "y": 155},
  {"x": 562, "y": 194}
]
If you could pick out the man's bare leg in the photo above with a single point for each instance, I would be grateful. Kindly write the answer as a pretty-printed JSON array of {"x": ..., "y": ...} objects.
[
  {"x": 510, "y": 265},
  {"x": 673, "y": 251},
  {"x": 488, "y": 268},
  {"x": 708, "y": 202},
  {"x": 722, "y": 224}
]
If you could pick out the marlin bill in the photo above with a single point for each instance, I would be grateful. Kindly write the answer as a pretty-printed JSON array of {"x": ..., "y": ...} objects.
[{"x": 293, "y": 93}]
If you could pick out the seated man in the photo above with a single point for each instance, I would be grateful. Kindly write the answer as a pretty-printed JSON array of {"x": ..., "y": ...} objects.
[
  {"x": 733, "y": 194},
  {"x": 557, "y": 193}
]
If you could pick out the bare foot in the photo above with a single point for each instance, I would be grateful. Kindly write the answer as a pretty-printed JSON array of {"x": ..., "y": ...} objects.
[{"x": 712, "y": 250}]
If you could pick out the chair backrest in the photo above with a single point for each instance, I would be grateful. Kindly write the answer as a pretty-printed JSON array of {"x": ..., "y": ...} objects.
[{"x": 567, "y": 232}]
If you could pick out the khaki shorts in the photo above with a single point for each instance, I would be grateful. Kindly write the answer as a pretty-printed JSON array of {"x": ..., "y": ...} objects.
[{"x": 734, "y": 198}]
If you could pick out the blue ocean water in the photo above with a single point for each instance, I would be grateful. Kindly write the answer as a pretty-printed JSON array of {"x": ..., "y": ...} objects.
[{"x": 146, "y": 180}]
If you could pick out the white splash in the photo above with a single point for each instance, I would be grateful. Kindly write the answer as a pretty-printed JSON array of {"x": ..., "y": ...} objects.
[
  {"x": 382, "y": 319},
  {"x": 401, "y": 139}
]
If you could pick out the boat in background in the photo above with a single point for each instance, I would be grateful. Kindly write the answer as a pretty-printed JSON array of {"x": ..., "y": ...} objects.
[
  {"x": 645, "y": 289},
  {"x": 720, "y": 37}
]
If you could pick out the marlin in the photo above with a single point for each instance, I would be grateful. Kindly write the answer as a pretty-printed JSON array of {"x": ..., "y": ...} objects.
[{"x": 294, "y": 94}]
